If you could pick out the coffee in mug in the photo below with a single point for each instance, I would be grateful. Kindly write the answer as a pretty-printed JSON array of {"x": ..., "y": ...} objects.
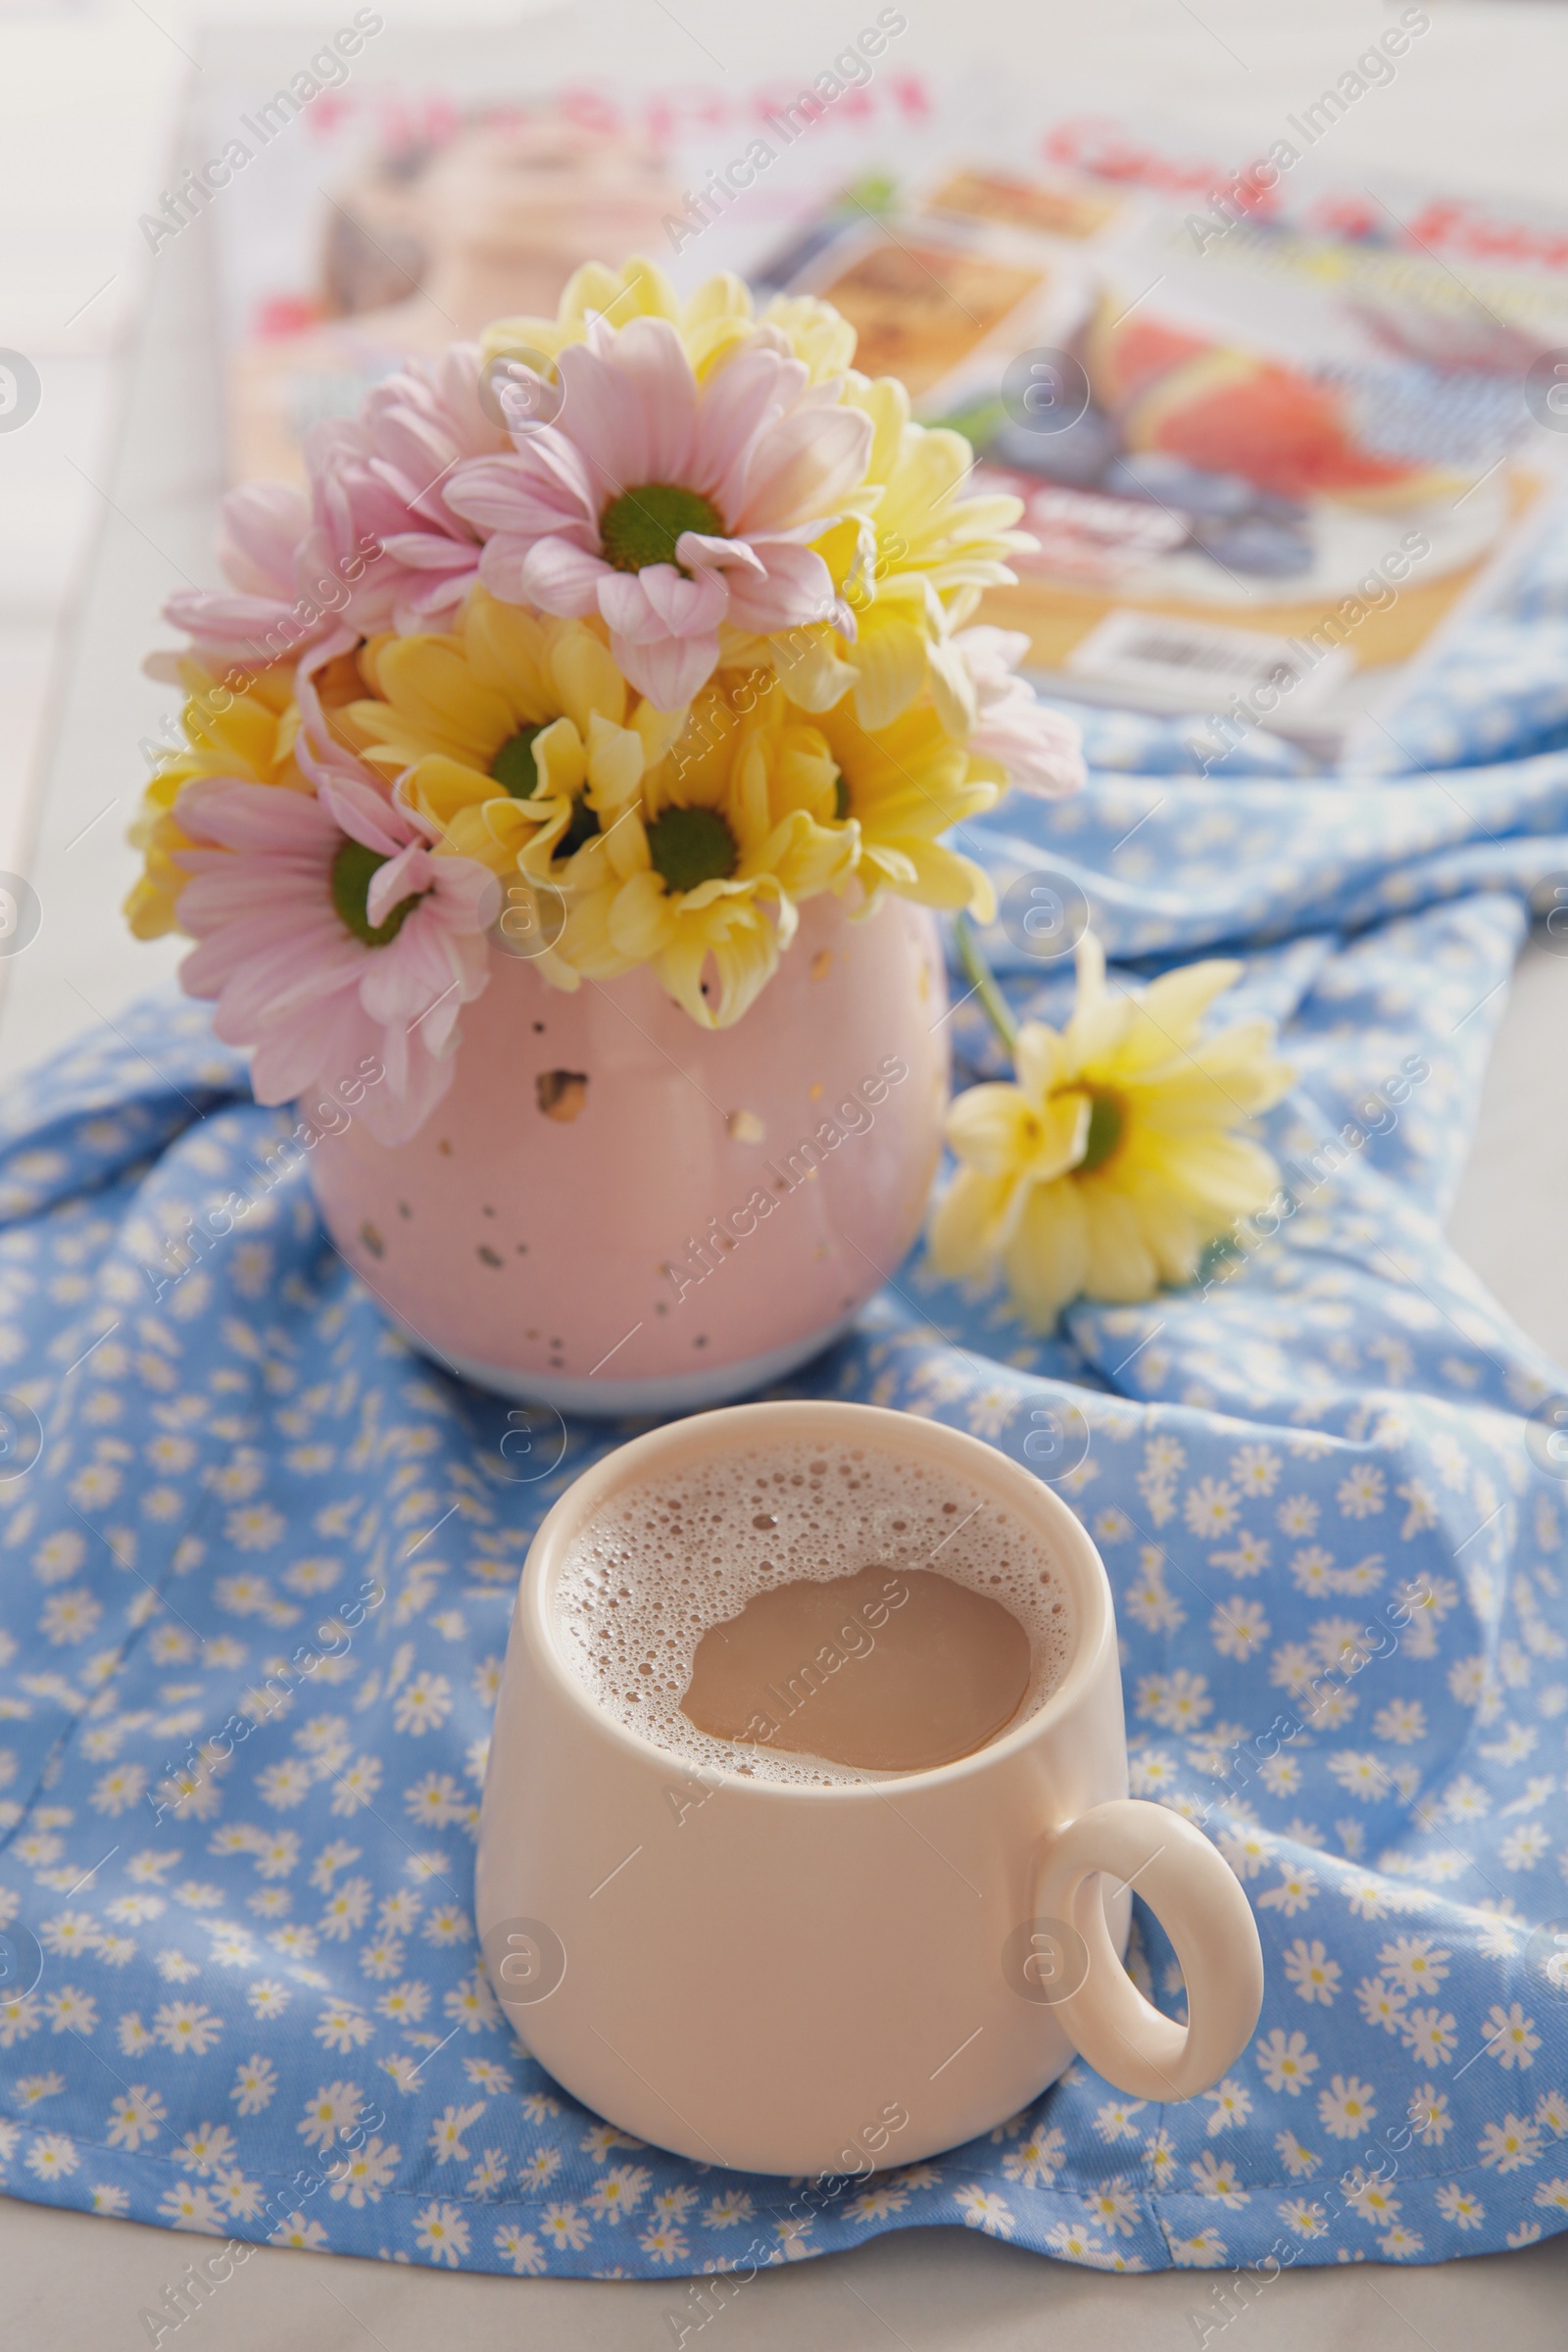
[{"x": 812, "y": 1614}]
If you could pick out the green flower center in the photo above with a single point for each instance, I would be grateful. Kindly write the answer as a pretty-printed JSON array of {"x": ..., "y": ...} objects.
[
  {"x": 642, "y": 526},
  {"x": 1107, "y": 1121},
  {"x": 515, "y": 767},
  {"x": 841, "y": 799},
  {"x": 512, "y": 767},
  {"x": 583, "y": 825},
  {"x": 692, "y": 845},
  {"x": 354, "y": 868}
]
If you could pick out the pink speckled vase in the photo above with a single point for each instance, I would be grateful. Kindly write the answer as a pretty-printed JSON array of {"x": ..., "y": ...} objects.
[{"x": 614, "y": 1212}]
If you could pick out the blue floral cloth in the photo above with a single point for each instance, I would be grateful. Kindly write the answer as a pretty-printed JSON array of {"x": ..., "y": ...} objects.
[{"x": 243, "y": 1997}]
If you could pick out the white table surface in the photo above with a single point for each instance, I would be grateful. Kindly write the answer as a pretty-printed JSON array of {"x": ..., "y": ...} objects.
[{"x": 107, "y": 501}]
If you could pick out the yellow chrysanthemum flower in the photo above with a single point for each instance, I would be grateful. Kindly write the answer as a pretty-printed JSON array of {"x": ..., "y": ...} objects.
[
  {"x": 1112, "y": 1161},
  {"x": 709, "y": 322},
  {"x": 904, "y": 784},
  {"x": 243, "y": 725},
  {"x": 912, "y": 575},
  {"x": 518, "y": 738},
  {"x": 925, "y": 530},
  {"x": 731, "y": 831}
]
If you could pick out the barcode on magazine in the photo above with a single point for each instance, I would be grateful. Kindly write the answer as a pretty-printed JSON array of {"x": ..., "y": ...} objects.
[
  {"x": 1160, "y": 648},
  {"x": 1191, "y": 661}
]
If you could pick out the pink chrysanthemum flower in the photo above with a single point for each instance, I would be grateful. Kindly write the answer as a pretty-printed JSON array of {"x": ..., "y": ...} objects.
[
  {"x": 672, "y": 507},
  {"x": 374, "y": 545},
  {"x": 1038, "y": 749},
  {"x": 384, "y": 477},
  {"x": 332, "y": 939},
  {"x": 261, "y": 536}
]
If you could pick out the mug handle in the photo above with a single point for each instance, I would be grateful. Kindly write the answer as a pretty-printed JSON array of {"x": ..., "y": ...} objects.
[{"x": 1202, "y": 1907}]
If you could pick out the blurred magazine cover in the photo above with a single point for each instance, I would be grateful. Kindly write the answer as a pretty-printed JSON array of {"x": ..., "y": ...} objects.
[{"x": 1269, "y": 428}]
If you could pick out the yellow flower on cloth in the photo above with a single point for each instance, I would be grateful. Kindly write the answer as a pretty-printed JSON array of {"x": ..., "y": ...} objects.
[
  {"x": 902, "y": 786},
  {"x": 736, "y": 827},
  {"x": 518, "y": 738},
  {"x": 711, "y": 322},
  {"x": 1112, "y": 1160},
  {"x": 243, "y": 725}
]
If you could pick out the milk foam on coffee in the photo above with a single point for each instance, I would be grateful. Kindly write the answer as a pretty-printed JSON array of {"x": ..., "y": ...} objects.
[{"x": 670, "y": 1558}]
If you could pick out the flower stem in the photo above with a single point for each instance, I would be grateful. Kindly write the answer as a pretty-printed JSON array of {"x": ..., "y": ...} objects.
[{"x": 995, "y": 1005}]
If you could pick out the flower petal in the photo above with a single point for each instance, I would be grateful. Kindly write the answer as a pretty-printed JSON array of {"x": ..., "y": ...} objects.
[
  {"x": 1047, "y": 1258},
  {"x": 556, "y": 576},
  {"x": 671, "y": 672}
]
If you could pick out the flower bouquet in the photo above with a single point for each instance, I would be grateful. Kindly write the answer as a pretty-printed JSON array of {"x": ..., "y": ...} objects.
[{"x": 611, "y": 683}]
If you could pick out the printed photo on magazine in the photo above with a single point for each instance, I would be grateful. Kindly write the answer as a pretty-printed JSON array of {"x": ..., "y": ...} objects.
[
  {"x": 378, "y": 222},
  {"x": 1269, "y": 460}
]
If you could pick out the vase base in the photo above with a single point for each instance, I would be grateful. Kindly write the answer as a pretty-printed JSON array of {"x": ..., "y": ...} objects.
[{"x": 615, "y": 1400}]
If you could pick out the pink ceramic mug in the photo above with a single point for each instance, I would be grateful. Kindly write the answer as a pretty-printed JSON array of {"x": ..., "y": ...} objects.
[{"x": 801, "y": 1979}]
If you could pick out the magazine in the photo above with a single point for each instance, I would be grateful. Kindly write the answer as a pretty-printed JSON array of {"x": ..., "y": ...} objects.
[{"x": 1270, "y": 430}]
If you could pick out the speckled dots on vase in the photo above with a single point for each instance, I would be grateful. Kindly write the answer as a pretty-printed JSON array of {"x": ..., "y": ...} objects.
[{"x": 615, "y": 1211}]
